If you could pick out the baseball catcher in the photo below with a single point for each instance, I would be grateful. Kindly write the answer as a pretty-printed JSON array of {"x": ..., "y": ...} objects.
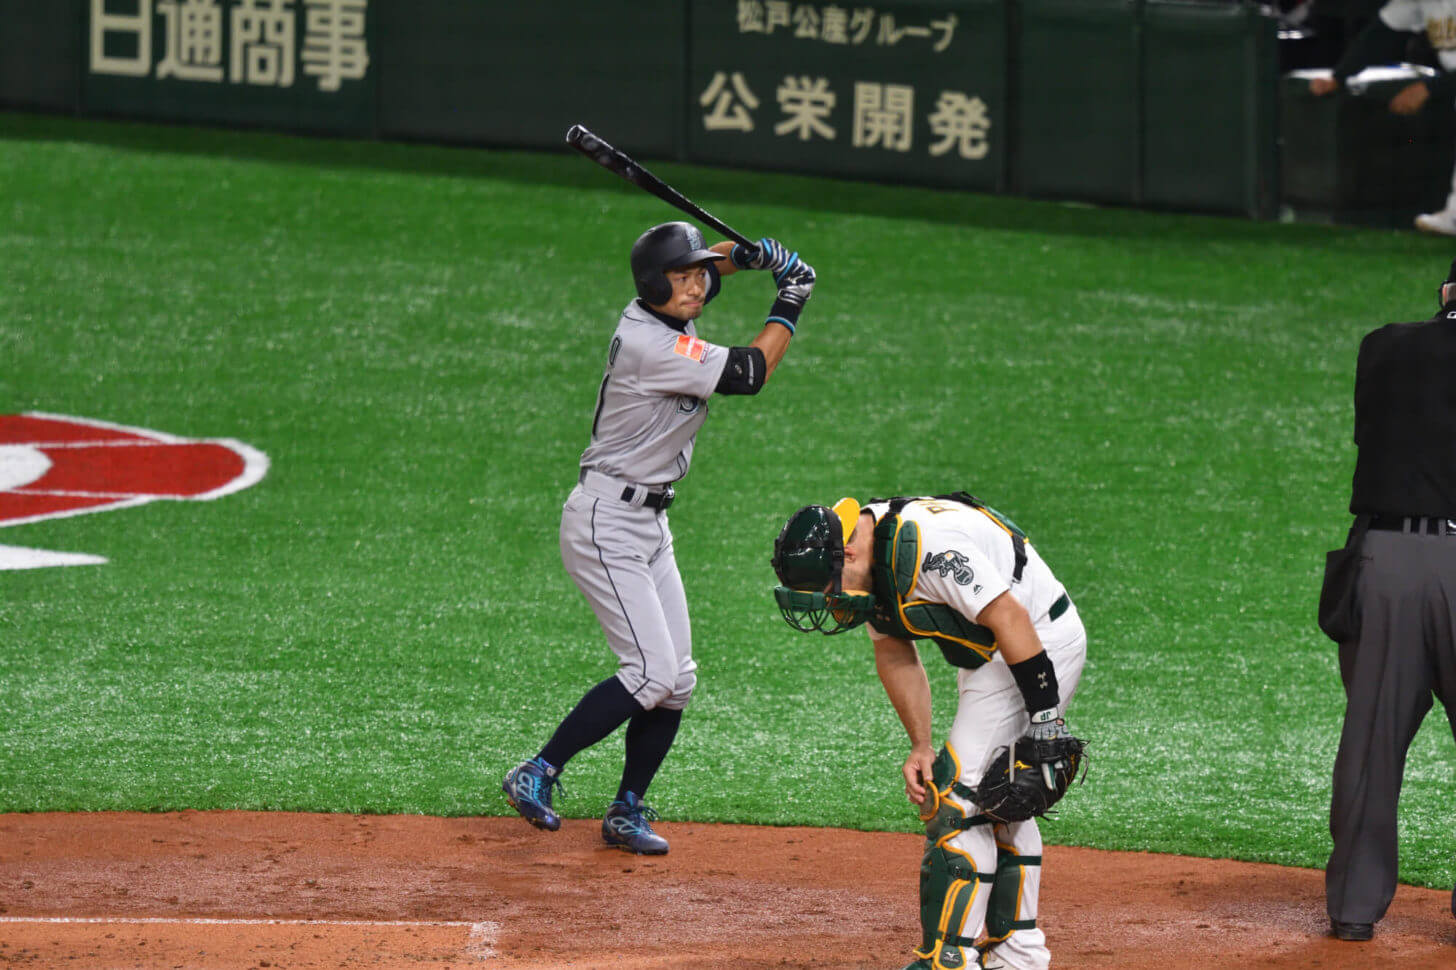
[{"x": 952, "y": 570}]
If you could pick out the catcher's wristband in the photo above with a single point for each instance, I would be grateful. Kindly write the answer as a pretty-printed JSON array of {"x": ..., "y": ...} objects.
[{"x": 1037, "y": 679}]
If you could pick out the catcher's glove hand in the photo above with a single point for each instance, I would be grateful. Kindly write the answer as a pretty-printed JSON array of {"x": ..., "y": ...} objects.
[{"x": 1030, "y": 776}]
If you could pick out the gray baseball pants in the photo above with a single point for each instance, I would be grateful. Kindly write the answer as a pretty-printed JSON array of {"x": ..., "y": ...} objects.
[
  {"x": 1403, "y": 655},
  {"x": 621, "y": 558}
]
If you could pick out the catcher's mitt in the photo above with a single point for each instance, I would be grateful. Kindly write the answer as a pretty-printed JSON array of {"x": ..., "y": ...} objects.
[{"x": 1029, "y": 777}]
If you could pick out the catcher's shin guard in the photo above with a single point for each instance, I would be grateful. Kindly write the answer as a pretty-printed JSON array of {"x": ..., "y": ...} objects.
[
  {"x": 949, "y": 880},
  {"x": 949, "y": 883},
  {"x": 1012, "y": 905}
]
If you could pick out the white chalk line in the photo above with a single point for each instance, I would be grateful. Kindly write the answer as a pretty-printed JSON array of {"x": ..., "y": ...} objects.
[
  {"x": 72, "y": 493},
  {"x": 480, "y": 942}
]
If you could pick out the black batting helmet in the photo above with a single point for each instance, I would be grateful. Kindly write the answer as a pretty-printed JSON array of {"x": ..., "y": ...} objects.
[{"x": 660, "y": 249}]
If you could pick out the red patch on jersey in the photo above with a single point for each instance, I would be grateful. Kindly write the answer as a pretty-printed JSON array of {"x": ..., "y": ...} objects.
[{"x": 691, "y": 347}]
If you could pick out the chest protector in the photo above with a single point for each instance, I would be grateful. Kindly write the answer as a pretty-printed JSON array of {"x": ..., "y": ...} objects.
[{"x": 896, "y": 571}]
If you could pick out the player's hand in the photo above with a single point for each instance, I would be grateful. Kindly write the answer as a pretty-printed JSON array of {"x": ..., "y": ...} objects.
[
  {"x": 918, "y": 770},
  {"x": 797, "y": 282},
  {"x": 1047, "y": 725},
  {"x": 1411, "y": 99},
  {"x": 770, "y": 254},
  {"x": 1321, "y": 86}
]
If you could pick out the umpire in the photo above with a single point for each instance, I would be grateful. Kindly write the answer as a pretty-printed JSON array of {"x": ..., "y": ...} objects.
[{"x": 1398, "y": 636}]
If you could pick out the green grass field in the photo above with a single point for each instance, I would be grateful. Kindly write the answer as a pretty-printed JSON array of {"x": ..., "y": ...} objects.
[{"x": 414, "y": 335}]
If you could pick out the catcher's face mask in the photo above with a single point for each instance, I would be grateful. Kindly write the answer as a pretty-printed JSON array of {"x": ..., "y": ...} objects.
[{"x": 809, "y": 561}]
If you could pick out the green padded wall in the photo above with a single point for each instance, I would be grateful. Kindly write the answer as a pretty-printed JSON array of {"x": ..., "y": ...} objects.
[
  {"x": 1210, "y": 99},
  {"x": 1161, "y": 102},
  {"x": 1077, "y": 86},
  {"x": 229, "y": 63},
  {"x": 40, "y": 54},
  {"x": 903, "y": 91},
  {"x": 522, "y": 73}
]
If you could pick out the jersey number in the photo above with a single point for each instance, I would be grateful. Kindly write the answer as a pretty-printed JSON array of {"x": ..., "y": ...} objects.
[{"x": 601, "y": 401}]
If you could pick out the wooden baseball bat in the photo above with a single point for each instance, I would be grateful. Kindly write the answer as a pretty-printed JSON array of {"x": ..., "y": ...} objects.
[{"x": 615, "y": 160}]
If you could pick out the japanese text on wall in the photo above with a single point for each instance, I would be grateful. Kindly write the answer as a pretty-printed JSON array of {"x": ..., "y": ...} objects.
[{"x": 251, "y": 42}]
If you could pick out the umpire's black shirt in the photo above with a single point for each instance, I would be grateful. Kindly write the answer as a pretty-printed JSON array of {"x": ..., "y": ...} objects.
[{"x": 1405, "y": 419}]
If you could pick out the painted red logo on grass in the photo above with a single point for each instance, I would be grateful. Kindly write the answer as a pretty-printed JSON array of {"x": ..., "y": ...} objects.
[{"x": 53, "y": 466}]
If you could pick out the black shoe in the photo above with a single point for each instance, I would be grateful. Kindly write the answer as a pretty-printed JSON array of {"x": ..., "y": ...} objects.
[{"x": 1351, "y": 931}]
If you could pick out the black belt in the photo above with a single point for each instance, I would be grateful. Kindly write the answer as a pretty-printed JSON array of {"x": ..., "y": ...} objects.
[
  {"x": 1415, "y": 524},
  {"x": 652, "y": 500}
]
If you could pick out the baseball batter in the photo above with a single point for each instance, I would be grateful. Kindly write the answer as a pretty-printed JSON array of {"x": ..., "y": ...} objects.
[
  {"x": 957, "y": 572},
  {"x": 615, "y": 539},
  {"x": 1383, "y": 41}
]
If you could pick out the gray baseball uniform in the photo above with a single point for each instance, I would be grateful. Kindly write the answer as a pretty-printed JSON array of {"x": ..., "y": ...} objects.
[{"x": 615, "y": 539}]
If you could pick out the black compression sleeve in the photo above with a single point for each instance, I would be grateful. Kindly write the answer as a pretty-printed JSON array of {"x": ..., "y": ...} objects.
[{"x": 744, "y": 373}]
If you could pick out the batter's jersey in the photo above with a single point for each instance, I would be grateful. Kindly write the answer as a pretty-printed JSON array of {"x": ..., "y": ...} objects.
[
  {"x": 1437, "y": 18},
  {"x": 967, "y": 559},
  {"x": 654, "y": 395}
]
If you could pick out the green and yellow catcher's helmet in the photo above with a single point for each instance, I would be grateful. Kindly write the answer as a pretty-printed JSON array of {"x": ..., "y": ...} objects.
[{"x": 809, "y": 561}]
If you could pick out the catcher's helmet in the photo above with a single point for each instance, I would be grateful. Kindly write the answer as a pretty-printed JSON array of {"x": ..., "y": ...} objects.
[
  {"x": 809, "y": 561},
  {"x": 660, "y": 249}
]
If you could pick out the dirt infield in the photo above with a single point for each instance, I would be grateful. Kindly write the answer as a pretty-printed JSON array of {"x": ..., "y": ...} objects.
[{"x": 215, "y": 890}]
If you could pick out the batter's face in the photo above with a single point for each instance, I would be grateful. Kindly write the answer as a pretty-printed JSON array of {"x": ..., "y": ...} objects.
[{"x": 689, "y": 290}]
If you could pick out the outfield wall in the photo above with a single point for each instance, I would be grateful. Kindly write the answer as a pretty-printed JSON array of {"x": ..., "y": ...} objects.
[{"x": 1167, "y": 103}]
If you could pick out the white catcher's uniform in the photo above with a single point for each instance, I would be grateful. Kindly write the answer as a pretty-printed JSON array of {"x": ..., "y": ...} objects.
[
  {"x": 967, "y": 560},
  {"x": 614, "y": 543}
]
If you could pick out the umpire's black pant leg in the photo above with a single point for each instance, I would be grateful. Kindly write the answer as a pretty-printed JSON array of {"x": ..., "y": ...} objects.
[
  {"x": 1443, "y": 648},
  {"x": 1446, "y": 693},
  {"x": 1387, "y": 693}
]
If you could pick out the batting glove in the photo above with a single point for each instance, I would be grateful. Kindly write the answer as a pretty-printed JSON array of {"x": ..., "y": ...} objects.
[
  {"x": 797, "y": 282},
  {"x": 770, "y": 254}
]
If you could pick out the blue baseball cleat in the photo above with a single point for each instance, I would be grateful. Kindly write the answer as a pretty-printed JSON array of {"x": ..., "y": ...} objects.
[
  {"x": 625, "y": 826},
  {"x": 528, "y": 789}
]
